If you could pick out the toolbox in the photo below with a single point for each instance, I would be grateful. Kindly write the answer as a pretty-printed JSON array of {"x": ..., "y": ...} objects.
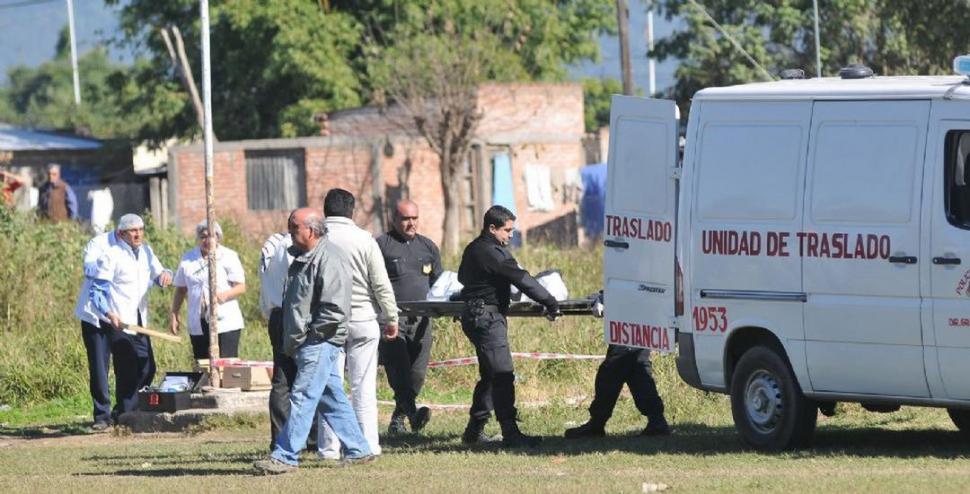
[{"x": 165, "y": 399}]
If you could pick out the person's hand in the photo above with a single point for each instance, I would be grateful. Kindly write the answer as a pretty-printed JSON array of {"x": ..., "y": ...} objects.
[
  {"x": 390, "y": 331},
  {"x": 165, "y": 279},
  {"x": 174, "y": 324},
  {"x": 115, "y": 320},
  {"x": 553, "y": 312},
  {"x": 221, "y": 298}
]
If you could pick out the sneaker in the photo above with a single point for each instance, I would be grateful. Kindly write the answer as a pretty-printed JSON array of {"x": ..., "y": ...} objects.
[
  {"x": 397, "y": 426},
  {"x": 272, "y": 466},
  {"x": 100, "y": 426},
  {"x": 420, "y": 419},
  {"x": 656, "y": 428},
  {"x": 589, "y": 429},
  {"x": 360, "y": 460}
]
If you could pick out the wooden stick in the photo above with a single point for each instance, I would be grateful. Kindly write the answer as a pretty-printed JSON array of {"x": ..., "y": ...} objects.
[{"x": 153, "y": 333}]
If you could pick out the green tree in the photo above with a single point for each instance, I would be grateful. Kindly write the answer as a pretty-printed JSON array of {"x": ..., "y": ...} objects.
[
  {"x": 44, "y": 96},
  {"x": 277, "y": 63},
  {"x": 597, "y": 94},
  {"x": 893, "y": 37}
]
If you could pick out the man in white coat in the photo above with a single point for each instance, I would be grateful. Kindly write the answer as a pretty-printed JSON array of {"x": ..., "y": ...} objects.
[
  {"x": 119, "y": 294},
  {"x": 372, "y": 295}
]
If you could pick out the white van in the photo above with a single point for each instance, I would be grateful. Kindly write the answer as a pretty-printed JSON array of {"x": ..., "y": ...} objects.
[{"x": 808, "y": 251}]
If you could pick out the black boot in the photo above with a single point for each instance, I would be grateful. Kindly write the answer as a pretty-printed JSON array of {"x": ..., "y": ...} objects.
[
  {"x": 512, "y": 437},
  {"x": 593, "y": 428},
  {"x": 397, "y": 425},
  {"x": 475, "y": 432},
  {"x": 656, "y": 427},
  {"x": 420, "y": 419}
]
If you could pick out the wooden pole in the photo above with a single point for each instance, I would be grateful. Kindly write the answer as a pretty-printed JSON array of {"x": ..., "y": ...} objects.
[
  {"x": 210, "y": 215},
  {"x": 184, "y": 72},
  {"x": 623, "y": 29}
]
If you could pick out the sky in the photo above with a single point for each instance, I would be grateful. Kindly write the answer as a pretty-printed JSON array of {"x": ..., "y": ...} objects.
[{"x": 29, "y": 29}]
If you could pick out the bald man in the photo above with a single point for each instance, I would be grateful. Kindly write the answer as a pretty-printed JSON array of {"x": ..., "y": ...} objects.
[{"x": 413, "y": 264}]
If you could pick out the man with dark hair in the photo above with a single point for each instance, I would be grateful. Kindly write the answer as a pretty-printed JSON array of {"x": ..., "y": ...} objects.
[
  {"x": 413, "y": 264},
  {"x": 488, "y": 272},
  {"x": 372, "y": 296},
  {"x": 339, "y": 202}
]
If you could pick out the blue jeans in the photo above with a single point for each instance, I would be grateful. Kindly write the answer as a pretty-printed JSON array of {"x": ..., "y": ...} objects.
[{"x": 318, "y": 388}]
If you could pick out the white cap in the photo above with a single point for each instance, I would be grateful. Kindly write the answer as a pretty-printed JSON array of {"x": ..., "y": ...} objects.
[{"x": 130, "y": 221}]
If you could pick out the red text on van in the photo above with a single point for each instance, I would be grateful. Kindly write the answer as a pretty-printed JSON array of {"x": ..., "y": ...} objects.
[
  {"x": 638, "y": 228},
  {"x": 640, "y": 335}
]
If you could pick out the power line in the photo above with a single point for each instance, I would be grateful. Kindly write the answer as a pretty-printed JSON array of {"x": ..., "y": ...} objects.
[{"x": 24, "y": 3}]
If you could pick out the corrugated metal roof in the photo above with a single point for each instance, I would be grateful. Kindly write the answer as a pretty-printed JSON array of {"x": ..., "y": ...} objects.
[{"x": 19, "y": 139}]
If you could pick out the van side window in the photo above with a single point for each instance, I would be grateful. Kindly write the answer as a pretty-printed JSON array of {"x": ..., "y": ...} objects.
[{"x": 956, "y": 176}]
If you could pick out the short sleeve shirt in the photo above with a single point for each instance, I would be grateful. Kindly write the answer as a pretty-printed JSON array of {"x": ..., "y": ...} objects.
[{"x": 193, "y": 275}]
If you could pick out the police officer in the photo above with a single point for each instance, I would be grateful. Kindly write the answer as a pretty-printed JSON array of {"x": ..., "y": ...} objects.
[
  {"x": 624, "y": 365},
  {"x": 413, "y": 264},
  {"x": 487, "y": 272}
]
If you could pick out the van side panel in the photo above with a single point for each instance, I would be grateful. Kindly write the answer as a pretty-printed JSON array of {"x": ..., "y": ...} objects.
[
  {"x": 744, "y": 178},
  {"x": 860, "y": 247}
]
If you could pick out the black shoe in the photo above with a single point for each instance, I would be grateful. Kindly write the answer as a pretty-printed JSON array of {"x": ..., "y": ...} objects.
[
  {"x": 420, "y": 419},
  {"x": 656, "y": 428},
  {"x": 397, "y": 426},
  {"x": 827, "y": 408},
  {"x": 589, "y": 429},
  {"x": 475, "y": 433}
]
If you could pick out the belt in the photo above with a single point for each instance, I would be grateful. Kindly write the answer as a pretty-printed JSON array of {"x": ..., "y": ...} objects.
[{"x": 479, "y": 305}]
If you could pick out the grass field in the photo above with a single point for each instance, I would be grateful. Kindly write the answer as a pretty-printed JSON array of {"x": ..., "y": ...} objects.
[
  {"x": 910, "y": 451},
  {"x": 45, "y": 445}
]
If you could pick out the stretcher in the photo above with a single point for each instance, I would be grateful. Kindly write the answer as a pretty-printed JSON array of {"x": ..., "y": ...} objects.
[{"x": 427, "y": 308}]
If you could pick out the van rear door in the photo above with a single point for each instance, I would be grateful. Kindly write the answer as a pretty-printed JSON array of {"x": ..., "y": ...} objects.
[{"x": 638, "y": 261}]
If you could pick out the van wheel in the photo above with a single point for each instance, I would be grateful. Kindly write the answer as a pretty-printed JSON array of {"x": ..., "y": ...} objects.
[
  {"x": 961, "y": 419},
  {"x": 770, "y": 411}
]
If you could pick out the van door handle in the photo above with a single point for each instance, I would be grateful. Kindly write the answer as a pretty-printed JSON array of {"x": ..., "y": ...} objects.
[
  {"x": 902, "y": 259},
  {"x": 618, "y": 244},
  {"x": 939, "y": 261}
]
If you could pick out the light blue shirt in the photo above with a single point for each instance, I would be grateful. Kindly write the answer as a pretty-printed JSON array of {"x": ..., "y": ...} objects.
[{"x": 93, "y": 251}]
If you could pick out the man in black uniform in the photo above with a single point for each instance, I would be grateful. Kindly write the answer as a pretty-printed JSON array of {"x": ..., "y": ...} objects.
[
  {"x": 487, "y": 272},
  {"x": 413, "y": 264},
  {"x": 624, "y": 365}
]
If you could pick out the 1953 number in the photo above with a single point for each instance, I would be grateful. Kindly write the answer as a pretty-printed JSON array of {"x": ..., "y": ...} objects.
[{"x": 713, "y": 319}]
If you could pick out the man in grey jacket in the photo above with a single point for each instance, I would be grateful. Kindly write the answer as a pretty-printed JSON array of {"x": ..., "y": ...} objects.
[{"x": 316, "y": 312}]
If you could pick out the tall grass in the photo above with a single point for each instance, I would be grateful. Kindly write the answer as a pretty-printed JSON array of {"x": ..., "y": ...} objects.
[{"x": 42, "y": 356}]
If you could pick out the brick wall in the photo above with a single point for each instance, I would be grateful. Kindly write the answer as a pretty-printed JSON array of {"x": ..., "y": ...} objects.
[{"x": 540, "y": 124}]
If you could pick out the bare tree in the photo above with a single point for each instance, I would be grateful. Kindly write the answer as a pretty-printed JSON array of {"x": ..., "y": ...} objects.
[{"x": 434, "y": 80}]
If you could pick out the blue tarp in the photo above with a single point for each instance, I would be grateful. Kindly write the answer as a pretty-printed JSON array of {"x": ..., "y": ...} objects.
[{"x": 593, "y": 204}]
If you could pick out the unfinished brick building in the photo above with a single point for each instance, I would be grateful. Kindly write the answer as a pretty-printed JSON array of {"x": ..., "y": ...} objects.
[{"x": 528, "y": 149}]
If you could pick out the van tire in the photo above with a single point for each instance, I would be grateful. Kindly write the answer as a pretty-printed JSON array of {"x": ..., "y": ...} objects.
[
  {"x": 770, "y": 411},
  {"x": 961, "y": 419}
]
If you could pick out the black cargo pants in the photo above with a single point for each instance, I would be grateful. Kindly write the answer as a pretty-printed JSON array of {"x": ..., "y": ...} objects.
[
  {"x": 487, "y": 329},
  {"x": 405, "y": 360},
  {"x": 632, "y": 367}
]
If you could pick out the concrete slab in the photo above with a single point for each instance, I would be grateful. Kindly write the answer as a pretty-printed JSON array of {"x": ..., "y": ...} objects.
[{"x": 211, "y": 402}]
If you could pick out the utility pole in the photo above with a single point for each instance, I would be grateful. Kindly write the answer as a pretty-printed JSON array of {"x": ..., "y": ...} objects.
[
  {"x": 214, "y": 377},
  {"x": 818, "y": 44},
  {"x": 651, "y": 65},
  {"x": 623, "y": 29},
  {"x": 70, "y": 27}
]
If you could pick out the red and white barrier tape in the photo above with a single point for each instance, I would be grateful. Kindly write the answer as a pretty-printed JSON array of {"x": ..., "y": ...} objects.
[
  {"x": 231, "y": 362},
  {"x": 456, "y": 362},
  {"x": 573, "y": 400}
]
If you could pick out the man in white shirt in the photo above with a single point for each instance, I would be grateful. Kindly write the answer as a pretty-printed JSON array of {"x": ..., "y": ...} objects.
[
  {"x": 372, "y": 294},
  {"x": 119, "y": 295},
  {"x": 97, "y": 337}
]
